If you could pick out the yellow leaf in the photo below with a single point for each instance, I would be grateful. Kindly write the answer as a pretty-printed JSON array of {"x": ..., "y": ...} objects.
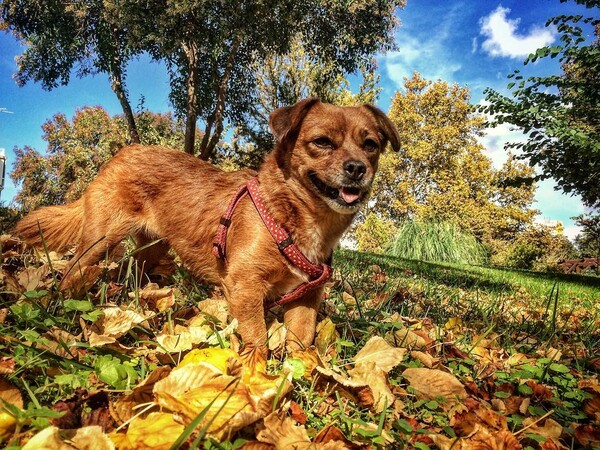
[
  {"x": 157, "y": 431},
  {"x": 433, "y": 383},
  {"x": 217, "y": 357},
  {"x": 86, "y": 438},
  {"x": 384, "y": 356}
]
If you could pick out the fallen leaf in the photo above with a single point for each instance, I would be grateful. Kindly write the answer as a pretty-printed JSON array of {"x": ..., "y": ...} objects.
[
  {"x": 384, "y": 356},
  {"x": 123, "y": 409},
  {"x": 113, "y": 324},
  {"x": 406, "y": 338},
  {"x": 426, "y": 359},
  {"x": 369, "y": 374},
  {"x": 434, "y": 383},
  {"x": 588, "y": 435},
  {"x": 205, "y": 383},
  {"x": 280, "y": 431},
  {"x": 550, "y": 430},
  {"x": 157, "y": 431},
  {"x": 86, "y": 438},
  {"x": 297, "y": 413},
  {"x": 10, "y": 393},
  {"x": 276, "y": 335},
  {"x": 326, "y": 336}
]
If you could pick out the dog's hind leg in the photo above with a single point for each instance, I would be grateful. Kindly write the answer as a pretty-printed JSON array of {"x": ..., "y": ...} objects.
[
  {"x": 92, "y": 248},
  {"x": 150, "y": 252}
]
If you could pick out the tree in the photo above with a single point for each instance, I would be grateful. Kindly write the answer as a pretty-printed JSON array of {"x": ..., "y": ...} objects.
[
  {"x": 560, "y": 114},
  {"x": 441, "y": 173},
  {"x": 212, "y": 47},
  {"x": 588, "y": 241},
  {"x": 76, "y": 151},
  {"x": 88, "y": 34}
]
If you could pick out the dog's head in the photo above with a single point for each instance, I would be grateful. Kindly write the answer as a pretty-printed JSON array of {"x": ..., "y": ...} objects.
[{"x": 332, "y": 151}]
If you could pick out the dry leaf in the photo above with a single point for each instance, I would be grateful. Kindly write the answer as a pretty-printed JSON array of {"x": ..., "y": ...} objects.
[
  {"x": 123, "y": 410},
  {"x": 426, "y": 359},
  {"x": 276, "y": 335},
  {"x": 433, "y": 383},
  {"x": 550, "y": 430},
  {"x": 406, "y": 338},
  {"x": 384, "y": 356},
  {"x": 205, "y": 379},
  {"x": 158, "y": 431},
  {"x": 86, "y": 438},
  {"x": 371, "y": 375},
  {"x": 10, "y": 393},
  {"x": 326, "y": 336},
  {"x": 112, "y": 325},
  {"x": 280, "y": 431},
  {"x": 155, "y": 298}
]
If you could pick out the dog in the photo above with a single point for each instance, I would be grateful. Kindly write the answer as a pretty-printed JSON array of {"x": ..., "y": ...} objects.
[{"x": 311, "y": 185}]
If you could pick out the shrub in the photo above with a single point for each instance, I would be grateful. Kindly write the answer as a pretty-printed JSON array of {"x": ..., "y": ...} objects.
[
  {"x": 374, "y": 234},
  {"x": 437, "y": 241}
]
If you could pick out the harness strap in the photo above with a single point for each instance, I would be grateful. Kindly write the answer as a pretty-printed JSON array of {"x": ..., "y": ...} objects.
[{"x": 318, "y": 273}]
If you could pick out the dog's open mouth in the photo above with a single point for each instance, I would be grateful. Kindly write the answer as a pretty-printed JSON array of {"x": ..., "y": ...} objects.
[{"x": 344, "y": 195}]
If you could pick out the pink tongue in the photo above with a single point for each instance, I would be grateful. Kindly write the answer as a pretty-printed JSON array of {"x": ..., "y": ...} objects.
[{"x": 348, "y": 197}]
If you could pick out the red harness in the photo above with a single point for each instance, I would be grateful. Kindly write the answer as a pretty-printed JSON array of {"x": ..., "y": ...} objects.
[{"x": 318, "y": 273}]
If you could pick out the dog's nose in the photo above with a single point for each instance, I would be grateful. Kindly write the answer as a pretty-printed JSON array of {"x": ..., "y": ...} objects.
[{"x": 355, "y": 169}]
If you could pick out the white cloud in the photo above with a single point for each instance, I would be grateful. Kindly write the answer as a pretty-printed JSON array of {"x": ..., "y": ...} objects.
[
  {"x": 554, "y": 205},
  {"x": 503, "y": 39}
]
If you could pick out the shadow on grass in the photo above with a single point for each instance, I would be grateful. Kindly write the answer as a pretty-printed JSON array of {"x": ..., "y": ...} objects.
[{"x": 493, "y": 280}]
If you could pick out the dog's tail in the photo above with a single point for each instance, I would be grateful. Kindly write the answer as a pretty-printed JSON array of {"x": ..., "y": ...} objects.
[{"x": 57, "y": 227}]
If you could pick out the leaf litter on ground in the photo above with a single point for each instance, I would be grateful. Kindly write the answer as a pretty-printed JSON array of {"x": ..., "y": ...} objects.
[{"x": 399, "y": 362}]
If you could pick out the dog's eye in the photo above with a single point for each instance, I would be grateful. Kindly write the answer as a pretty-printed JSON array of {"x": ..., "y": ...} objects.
[
  {"x": 324, "y": 142},
  {"x": 370, "y": 145}
]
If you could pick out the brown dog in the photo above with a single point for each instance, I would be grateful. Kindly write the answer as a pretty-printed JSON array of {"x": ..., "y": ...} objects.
[{"x": 312, "y": 183}]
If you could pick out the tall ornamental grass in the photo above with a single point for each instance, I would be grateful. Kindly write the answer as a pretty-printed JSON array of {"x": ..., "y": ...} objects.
[{"x": 437, "y": 241}]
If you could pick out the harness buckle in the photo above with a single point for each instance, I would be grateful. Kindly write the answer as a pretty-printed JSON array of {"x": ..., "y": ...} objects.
[{"x": 285, "y": 243}]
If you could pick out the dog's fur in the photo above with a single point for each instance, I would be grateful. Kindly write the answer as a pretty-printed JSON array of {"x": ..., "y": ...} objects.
[{"x": 157, "y": 193}]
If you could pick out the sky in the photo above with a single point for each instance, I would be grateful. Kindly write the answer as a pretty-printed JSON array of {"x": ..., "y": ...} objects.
[{"x": 475, "y": 43}]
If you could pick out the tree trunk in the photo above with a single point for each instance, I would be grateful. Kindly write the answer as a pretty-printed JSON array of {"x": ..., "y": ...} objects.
[
  {"x": 116, "y": 81},
  {"x": 192, "y": 98},
  {"x": 127, "y": 111},
  {"x": 211, "y": 139}
]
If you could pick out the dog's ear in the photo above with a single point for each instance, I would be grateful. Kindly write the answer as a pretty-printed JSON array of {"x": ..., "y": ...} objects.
[
  {"x": 387, "y": 127},
  {"x": 285, "y": 122}
]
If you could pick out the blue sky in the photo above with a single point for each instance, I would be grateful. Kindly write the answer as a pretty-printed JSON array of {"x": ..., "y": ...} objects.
[{"x": 471, "y": 42}]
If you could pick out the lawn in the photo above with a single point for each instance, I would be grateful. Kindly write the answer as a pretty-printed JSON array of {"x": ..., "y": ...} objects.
[{"x": 408, "y": 354}]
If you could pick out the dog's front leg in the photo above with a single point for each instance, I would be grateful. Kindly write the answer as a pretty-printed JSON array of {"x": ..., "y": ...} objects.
[
  {"x": 300, "y": 317},
  {"x": 245, "y": 297}
]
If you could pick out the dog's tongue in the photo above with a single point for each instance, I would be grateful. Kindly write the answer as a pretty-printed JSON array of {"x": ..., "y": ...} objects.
[{"x": 348, "y": 195}]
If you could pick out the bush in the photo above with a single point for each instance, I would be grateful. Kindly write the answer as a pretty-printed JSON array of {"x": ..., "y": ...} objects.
[
  {"x": 539, "y": 248},
  {"x": 437, "y": 241},
  {"x": 523, "y": 255},
  {"x": 9, "y": 215},
  {"x": 374, "y": 234}
]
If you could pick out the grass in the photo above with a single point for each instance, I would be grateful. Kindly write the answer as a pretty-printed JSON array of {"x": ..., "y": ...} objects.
[
  {"x": 472, "y": 319},
  {"x": 436, "y": 241}
]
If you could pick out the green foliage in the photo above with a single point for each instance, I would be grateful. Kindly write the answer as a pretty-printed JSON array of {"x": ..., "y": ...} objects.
[
  {"x": 212, "y": 48},
  {"x": 374, "y": 234},
  {"x": 9, "y": 215},
  {"x": 559, "y": 113},
  {"x": 77, "y": 149},
  {"x": 83, "y": 36},
  {"x": 436, "y": 241},
  {"x": 523, "y": 255},
  {"x": 539, "y": 247},
  {"x": 588, "y": 241}
]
